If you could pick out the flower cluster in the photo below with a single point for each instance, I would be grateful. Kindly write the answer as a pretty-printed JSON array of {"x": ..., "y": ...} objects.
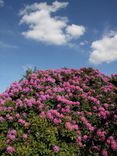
[{"x": 65, "y": 111}]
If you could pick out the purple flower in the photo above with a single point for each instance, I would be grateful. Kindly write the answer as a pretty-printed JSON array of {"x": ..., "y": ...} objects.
[
  {"x": 1, "y": 118},
  {"x": 25, "y": 136},
  {"x": 11, "y": 137},
  {"x": 104, "y": 153},
  {"x": 21, "y": 121},
  {"x": 13, "y": 131},
  {"x": 56, "y": 148},
  {"x": 10, "y": 149}
]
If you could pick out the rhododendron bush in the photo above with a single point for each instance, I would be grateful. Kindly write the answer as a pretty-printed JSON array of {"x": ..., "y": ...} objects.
[{"x": 65, "y": 112}]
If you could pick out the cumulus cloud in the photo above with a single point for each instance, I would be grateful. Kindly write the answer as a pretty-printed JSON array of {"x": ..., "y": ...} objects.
[
  {"x": 75, "y": 30},
  {"x": 1, "y": 3},
  {"x": 105, "y": 49},
  {"x": 44, "y": 26}
]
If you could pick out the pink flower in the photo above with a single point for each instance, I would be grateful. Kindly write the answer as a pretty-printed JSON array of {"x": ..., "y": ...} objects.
[
  {"x": 101, "y": 134},
  {"x": 59, "y": 106},
  {"x": 67, "y": 110},
  {"x": 94, "y": 107},
  {"x": 75, "y": 127},
  {"x": 76, "y": 103},
  {"x": 9, "y": 117},
  {"x": 57, "y": 121},
  {"x": 104, "y": 153},
  {"x": 22, "y": 121},
  {"x": 85, "y": 137},
  {"x": 95, "y": 148},
  {"x": 56, "y": 148},
  {"x": 19, "y": 103},
  {"x": 69, "y": 126},
  {"x": 89, "y": 113},
  {"x": 8, "y": 141},
  {"x": 49, "y": 115},
  {"x": 114, "y": 146},
  {"x": 73, "y": 121},
  {"x": 1, "y": 118},
  {"x": 42, "y": 115},
  {"x": 17, "y": 115},
  {"x": 78, "y": 132},
  {"x": 91, "y": 128},
  {"x": 101, "y": 109},
  {"x": 78, "y": 139},
  {"x": 78, "y": 113},
  {"x": 29, "y": 103},
  {"x": 10, "y": 149},
  {"x": 103, "y": 114},
  {"x": 11, "y": 137},
  {"x": 13, "y": 131},
  {"x": 26, "y": 124},
  {"x": 43, "y": 97},
  {"x": 106, "y": 105},
  {"x": 25, "y": 136}
]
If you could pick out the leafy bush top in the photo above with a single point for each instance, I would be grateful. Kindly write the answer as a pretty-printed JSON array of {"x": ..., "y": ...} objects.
[{"x": 65, "y": 112}]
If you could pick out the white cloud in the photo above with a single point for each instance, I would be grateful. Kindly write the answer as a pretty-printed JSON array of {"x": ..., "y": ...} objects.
[
  {"x": 44, "y": 26},
  {"x": 105, "y": 49},
  {"x": 6, "y": 45},
  {"x": 83, "y": 43},
  {"x": 75, "y": 30},
  {"x": 1, "y": 3}
]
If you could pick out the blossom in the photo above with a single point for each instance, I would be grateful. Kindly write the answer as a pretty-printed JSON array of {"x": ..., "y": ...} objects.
[
  {"x": 1, "y": 118},
  {"x": 21, "y": 121},
  {"x": 49, "y": 115},
  {"x": 73, "y": 101},
  {"x": 57, "y": 121},
  {"x": 10, "y": 149},
  {"x": 25, "y": 136},
  {"x": 42, "y": 114},
  {"x": 17, "y": 115},
  {"x": 85, "y": 137},
  {"x": 11, "y": 137},
  {"x": 13, "y": 131},
  {"x": 104, "y": 152},
  {"x": 9, "y": 117},
  {"x": 56, "y": 148},
  {"x": 69, "y": 126}
]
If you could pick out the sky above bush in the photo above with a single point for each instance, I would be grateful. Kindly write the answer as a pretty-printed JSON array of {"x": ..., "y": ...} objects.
[{"x": 55, "y": 34}]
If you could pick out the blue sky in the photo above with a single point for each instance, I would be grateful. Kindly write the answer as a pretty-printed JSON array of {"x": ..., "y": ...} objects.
[{"x": 55, "y": 34}]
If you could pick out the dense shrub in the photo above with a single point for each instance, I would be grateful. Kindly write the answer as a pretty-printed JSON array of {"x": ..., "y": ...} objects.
[{"x": 64, "y": 112}]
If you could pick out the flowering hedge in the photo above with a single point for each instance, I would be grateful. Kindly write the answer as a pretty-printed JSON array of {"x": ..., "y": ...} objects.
[{"x": 65, "y": 112}]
